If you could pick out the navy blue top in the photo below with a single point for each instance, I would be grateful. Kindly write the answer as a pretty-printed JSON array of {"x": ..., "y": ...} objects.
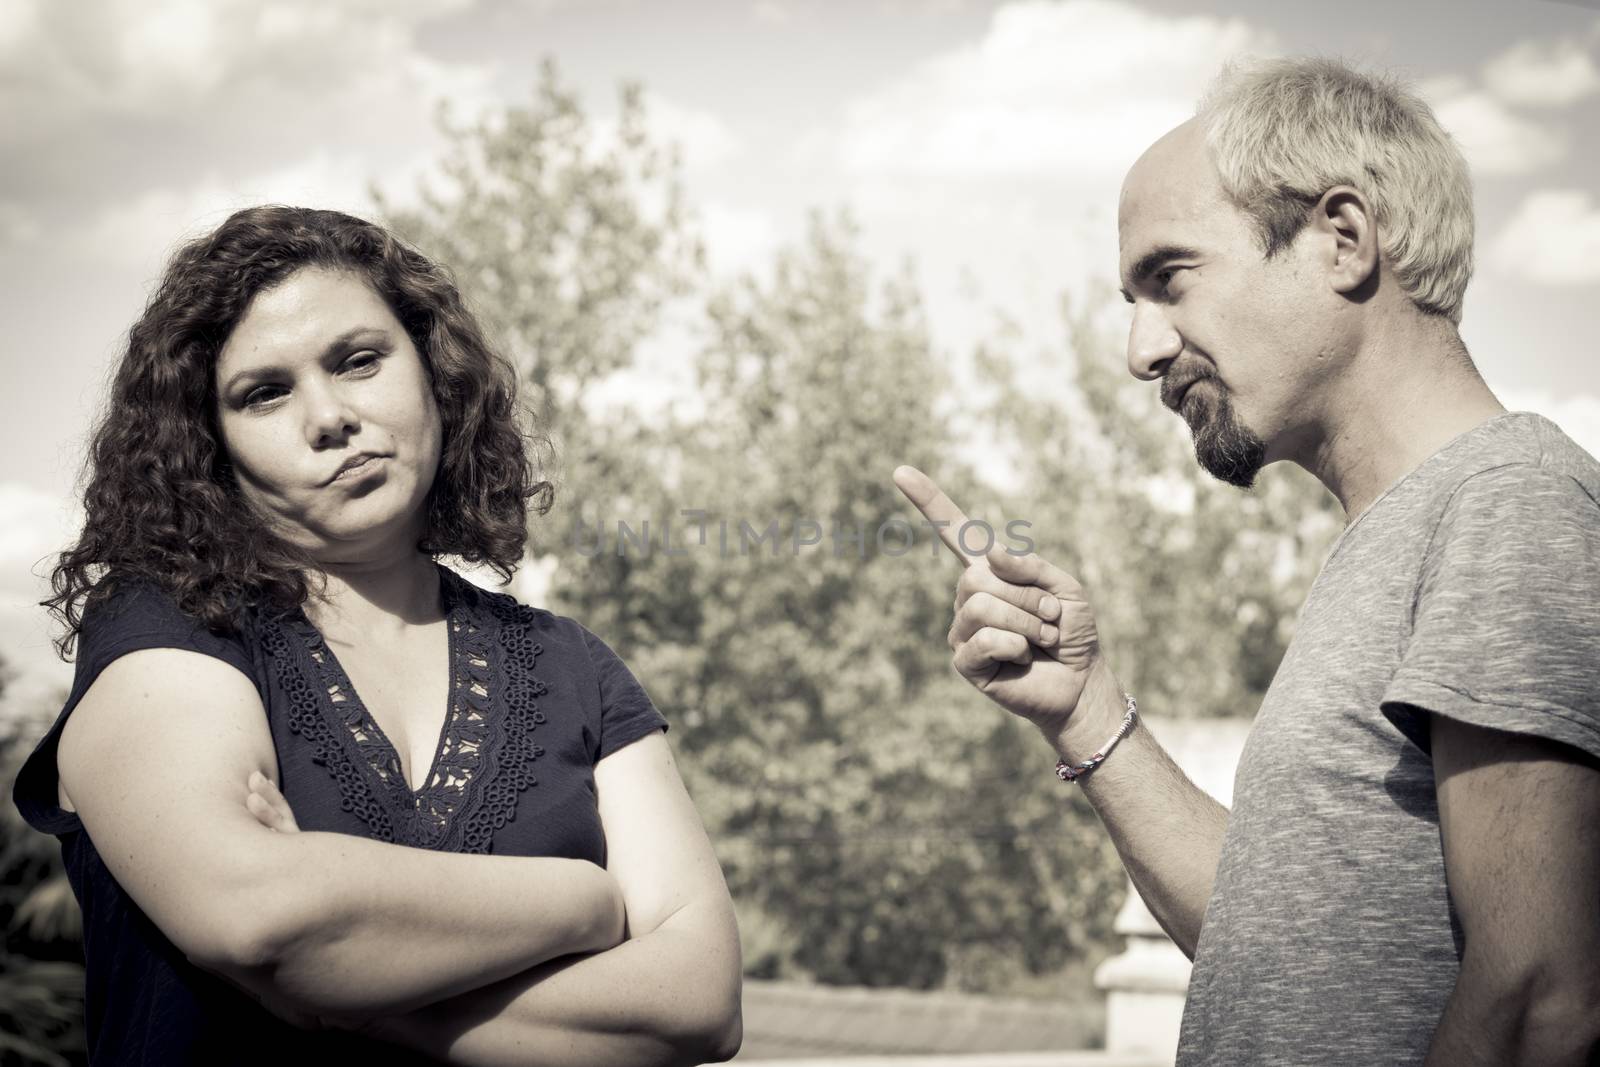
[{"x": 535, "y": 702}]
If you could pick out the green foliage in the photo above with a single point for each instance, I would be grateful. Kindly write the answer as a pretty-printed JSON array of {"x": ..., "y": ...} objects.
[
  {"x": 41, "y": 984},
  {"x": 859, "y": 793},
  {"x": 570, "y": 240},
  {"x": 41, "y": 1012}
]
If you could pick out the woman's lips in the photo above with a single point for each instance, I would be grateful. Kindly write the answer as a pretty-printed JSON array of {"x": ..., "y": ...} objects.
[{"x": 359, "y": 468}]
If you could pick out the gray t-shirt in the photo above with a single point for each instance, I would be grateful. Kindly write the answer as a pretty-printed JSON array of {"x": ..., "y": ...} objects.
[{"x": 1470, "y": 590}]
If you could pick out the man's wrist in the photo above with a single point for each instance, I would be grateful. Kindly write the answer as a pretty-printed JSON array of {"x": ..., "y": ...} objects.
[{"x": 1099, "y": 713}]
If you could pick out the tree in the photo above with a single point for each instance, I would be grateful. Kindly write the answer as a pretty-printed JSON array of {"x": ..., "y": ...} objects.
[
  {"x": 863, "y": 799},
  {"x": 41, "y": 978},
  {"x": 568, "y": 240}
]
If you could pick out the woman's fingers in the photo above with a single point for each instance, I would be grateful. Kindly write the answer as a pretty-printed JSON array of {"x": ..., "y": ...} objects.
[
  {"x": 260, "y": 809},
  {"x": 268, "y": 805}
]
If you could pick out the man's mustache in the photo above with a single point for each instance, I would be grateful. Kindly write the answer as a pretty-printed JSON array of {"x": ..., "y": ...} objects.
[{"x": 1177, "y": 382}]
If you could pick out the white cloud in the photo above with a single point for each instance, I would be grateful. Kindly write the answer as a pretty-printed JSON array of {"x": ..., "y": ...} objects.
[
  {"x": 18, "y": 225},
  {"x": 1494, "y": 138},
  {"x": 174, "y": 49},
  {"x": 704, "y": 139},
  {"x": 737, "y": 239},
  {"x": 34, "y": 525},
  {"x": 1543, "y": 73},
  {"x": 996, "y": 165},
  {"x": 1058, "y": 89},
  {"x": 144, "y": 88},
  {"x": 772, "y": 12},
  {"x": 1553, "y": 238},
  {"x": 1491, "y": 122},
  {"x": 142, "y": 56},
  {"x": 39, "y": 678},
  {"x": 141, "y": 231},
  {"x": 18, "y": 23}
]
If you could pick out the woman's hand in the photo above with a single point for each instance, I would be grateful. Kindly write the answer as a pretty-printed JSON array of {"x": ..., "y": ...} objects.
[
  {"x": 263, "y": 800},
  {"x": 268, "y": 806}
]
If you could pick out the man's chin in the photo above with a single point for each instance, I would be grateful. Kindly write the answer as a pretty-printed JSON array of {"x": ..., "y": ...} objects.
[
  {"x": 1238, "y": 476},
  {"x": 1224, "y": 447},
  {"x": 1234, "y": 455}
]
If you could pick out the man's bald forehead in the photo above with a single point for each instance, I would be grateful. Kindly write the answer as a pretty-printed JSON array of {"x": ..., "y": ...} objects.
[
  {"x": 1185, "y": 140},
  {"x": 1178, "y": 154}
]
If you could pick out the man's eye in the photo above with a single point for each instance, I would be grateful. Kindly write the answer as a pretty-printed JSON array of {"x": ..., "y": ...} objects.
[{"x": 1165, "y": 278}]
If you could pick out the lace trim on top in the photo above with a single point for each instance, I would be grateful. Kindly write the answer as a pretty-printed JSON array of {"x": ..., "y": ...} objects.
[
  {"x": 305, "y": 717},
  {"x": 514, "y": 652},
  {"x": 483, "y": 760}
]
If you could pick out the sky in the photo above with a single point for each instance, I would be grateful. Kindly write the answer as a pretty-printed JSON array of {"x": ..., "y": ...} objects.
[{"x": 982, "y": 142}]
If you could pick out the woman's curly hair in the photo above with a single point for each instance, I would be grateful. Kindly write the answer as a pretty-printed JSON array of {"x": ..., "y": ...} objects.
[{"x": 161, "y": 502}]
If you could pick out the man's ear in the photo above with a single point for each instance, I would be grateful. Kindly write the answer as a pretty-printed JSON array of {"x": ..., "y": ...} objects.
[{"x": 1344, "y": 216}]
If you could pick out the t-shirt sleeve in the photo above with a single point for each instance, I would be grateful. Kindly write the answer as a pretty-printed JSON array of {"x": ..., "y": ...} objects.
[
  {"x": 626, "y": 711},
  {"x": 1506, "y": 631},
  {"x": 136, "y": 617}
]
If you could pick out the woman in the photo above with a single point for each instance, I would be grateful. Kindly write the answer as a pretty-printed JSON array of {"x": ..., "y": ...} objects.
[{"x": 306, "y": 417}]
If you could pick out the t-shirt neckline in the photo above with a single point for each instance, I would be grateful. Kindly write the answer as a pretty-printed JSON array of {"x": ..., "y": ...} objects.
[{"x": 1438, "y": 456}]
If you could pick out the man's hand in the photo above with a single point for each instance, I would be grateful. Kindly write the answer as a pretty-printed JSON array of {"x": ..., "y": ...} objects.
[{"x": 1024, "y": 633}]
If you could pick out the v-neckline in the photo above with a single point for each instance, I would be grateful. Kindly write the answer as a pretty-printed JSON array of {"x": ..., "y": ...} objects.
[
  {"x": 353, "y": 705},
  {"x": 379, "y": 739},
  {"x": 482, "y": 759}
]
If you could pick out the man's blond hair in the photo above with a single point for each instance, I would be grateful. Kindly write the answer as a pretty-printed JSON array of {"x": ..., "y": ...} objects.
[{"x": 1282, "y": 132}]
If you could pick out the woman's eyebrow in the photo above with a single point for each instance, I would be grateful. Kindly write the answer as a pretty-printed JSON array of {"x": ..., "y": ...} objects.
[{"x": 340, "y": 342}]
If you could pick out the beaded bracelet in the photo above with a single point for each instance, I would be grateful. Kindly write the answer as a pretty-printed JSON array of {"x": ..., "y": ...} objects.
[{"x": 1067, "y": 772}]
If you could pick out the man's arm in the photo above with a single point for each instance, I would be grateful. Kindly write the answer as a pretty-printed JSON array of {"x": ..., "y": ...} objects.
[
  {"x": 667, "y": 995},
  {"x": 1167, "y": 830},
  {"x": 1520, "y": 822},
  {"x": 155, "y": 759},
  {"x": 1024, "y": 635}
]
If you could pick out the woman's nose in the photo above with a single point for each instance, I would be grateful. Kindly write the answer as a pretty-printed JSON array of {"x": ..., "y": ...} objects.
[{"x": 330, "y": 420}]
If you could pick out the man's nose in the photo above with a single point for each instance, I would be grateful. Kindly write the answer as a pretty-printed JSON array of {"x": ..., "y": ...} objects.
[{"x": 1153, "y": 343}]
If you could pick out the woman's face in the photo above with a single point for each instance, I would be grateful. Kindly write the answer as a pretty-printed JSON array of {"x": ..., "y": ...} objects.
[{"x": 328, "y": 417}]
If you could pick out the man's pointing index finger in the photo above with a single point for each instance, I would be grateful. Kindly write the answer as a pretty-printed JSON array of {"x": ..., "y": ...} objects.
[{"x": 939, "y": 509}]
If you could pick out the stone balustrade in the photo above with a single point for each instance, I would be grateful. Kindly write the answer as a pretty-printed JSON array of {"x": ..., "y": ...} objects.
[{"x": 1146, "y": 983}]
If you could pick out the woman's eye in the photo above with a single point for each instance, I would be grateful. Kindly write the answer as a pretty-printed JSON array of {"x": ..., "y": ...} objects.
[
  {"x": 361, "y": 362},
  {"x": 262, "y": 395}
]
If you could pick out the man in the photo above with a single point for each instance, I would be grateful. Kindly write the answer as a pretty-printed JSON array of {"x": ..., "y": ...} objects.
[{"x": 1411, "y": 869}]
